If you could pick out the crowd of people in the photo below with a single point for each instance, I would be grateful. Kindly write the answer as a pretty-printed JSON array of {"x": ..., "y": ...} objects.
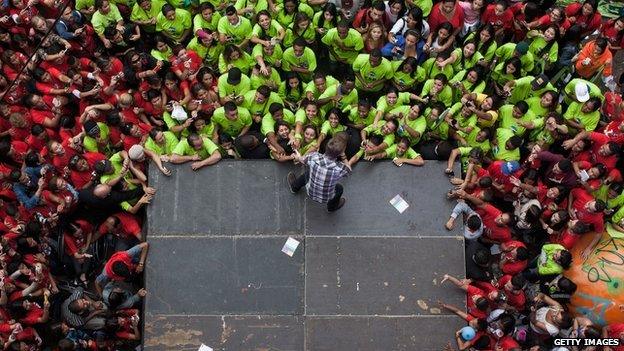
[{"x": 522, "y": 93}]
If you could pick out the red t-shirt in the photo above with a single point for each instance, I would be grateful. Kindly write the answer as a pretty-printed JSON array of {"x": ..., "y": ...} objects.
[
  {"x": 471, "y": 292},
  {"x": 129, "y": 226},
  {"x": 492, "y": 231},
  {"x": 517, "y": 300},
  {"x": 436, "y": 17},
  {"x": 505, "y": 20},
  {"x": 615, "y": 37},
  {"x": 511, "y": 265},
  {"x": 582, "y": 197},
  {"x": 587, "y": 23}
]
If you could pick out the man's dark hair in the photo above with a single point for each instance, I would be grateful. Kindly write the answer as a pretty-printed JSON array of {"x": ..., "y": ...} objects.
[
  {"x": 191, "y": 137},
  {"x": 522, "y": 106},
  {"x": 229, "y": 106},
  {"x": 230, "y": 10},
  {"x": 614, "y": 148},
  {"x": 515, "y": 141},
  {"x": 566, "y": 320},
  {"x": 74, "y": 308},
  {"x": 522, "y": 254},
  {"x": 38, "y": 129},
  {"x": 602, "y": 43},
  {"x": 166, "y": 8},
  {"x": 349, "y": 76},
  {"x": 335, "y": 147},
  {"x": 565, "y": 165},
  {"x": 380, "y": 6},
  {"x": 31, "y": 159},
  {"x": 341, "y": 24},
  {"x": 115, "y": 299},
  {"x": 482, "y": 304},
  {"x": 600, "y": 205},
  {"x": 264, "y": 91},
  {"x": 482, "y": 257},
  {"x": 300, "y": 42},
  {"x": 518, "y": 281},
  {"x": 566, "y": 285},
  {"x": 474, "y": 222},
  {"x": 565, "y": 259},
  {"x": 482, "y": 324},
  {"x": 66, "y": 345},
  {"x": 485, "y": 182},
  {"x": 120, "y": 269},
  {"x": 276, "y": 106},
  {"x": 441, "y": 77},
  {"x": 376, "y": 52},
  {"x": 248, "y": 141}
]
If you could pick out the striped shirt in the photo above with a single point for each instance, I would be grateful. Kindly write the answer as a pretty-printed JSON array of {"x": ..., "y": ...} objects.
[{"x": 324, "y": 175}]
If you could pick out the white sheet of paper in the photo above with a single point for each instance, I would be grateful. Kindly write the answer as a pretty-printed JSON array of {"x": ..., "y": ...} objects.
[
  {"x": 398, "y": 203},
  {"x": 204, "y": 348},
  {"x": 290, "y": 246},
  {"x": 584, "y": 175}
]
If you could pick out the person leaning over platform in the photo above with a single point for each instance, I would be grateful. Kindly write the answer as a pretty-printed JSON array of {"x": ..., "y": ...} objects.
[
  {"x": 323, "y": 171},
  {"x": 202, "y": 151}
]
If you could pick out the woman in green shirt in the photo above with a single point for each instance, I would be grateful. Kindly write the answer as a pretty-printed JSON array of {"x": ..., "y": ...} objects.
[
  {"x": 309, "y": 143},
  {"x": 233, "y": 56},
  {"x": 267, "y": 31},
  {"x": 291, "y": 90},
  {"x": 406, "y": 74},
  {"x": 326, "y": 19},
  {"x": 464, "y": 58},
  {"x": 207, "y": 18},
  {"x": 545, "y": 49},
  {"x": 331, "y": 126},
  {"x": 162, "y": 51},
  {"x": 504, "y": 72},
  {"x": 301, "y": 27},
  {"x": 207, "y": 46},
  {"x": 484, "y": 39},
  {"x": 309, "y": 113},
  {"x": 468, "y": 81}
]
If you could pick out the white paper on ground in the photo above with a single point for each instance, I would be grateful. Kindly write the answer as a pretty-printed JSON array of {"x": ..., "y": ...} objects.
[
  {"x": 398, "y": 203},
  {"x": 204, "y": 348},
  {"x": 290, "y": 246}
]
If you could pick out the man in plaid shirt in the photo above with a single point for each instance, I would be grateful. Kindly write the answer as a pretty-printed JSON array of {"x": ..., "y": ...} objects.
[{"x": 322, "y": 175}]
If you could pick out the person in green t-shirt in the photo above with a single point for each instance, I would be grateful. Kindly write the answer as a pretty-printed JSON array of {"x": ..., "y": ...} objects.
[
  {"x": 207, "y": 18},
  {"x": 201, "y": 151},
  {"x": 299, "y": 59},
  {"x": 144, "y": 13},
  {"x": 308, "y": 114},
  {"x": 344, "y": 43},
  {"x": 96, "y": 138},
  {"x": 517, "y": 117},
  {"x": 506, "y": 145},
  {"x": 400, "y": 153},
  {"x": 291, "y": 90},
  {"x": 371, "y": 71},
  {"x": 412, "y": 124},
  {"x": 267, "y": 31},
  {"x": 526, "y": 87},
  {"x": 331, "y": 126},
  {"x": 107, "y": 14},
  {"x": 406, "y": 74},
  {"x": 231, "y": 120},
  {"x": 161, "y": 51},
  {"x": 318, "y": 85},
  {"x": 308, "y": 142},
  {"x": 232, "y": 56},
  {"x": 174, "y": 23},
  {"x": 341, "y": 95},
  {"x": 161, "y": 143},
  {"x": 583, "y": 116},
  {"x": 258, "y": 101},
  {"x": 234, "y": 29},
  {"x": 277, "y": 113},
  {"x": 233, "y": 86},
  {"x": 362, "y": 115},
  {"x": 437, "y": 90},
  {"x": 376, "y": 139},
  {"x": 206, "y": 47}
]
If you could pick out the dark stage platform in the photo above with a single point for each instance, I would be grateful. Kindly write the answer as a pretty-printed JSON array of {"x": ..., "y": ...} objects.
[{"x": 363, "y": 278}]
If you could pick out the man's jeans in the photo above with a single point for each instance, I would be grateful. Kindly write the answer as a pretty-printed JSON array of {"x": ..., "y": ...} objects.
[{"x": 332, "y": 205}]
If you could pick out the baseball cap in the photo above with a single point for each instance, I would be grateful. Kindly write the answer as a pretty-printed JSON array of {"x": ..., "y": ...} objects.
[
  {"x": 234, "y": 76},
  {"x": 136, "y": 152},
  {"x": 522, "y": 47},
  {"x": 539, "y": 82},
  {"x": 91, "y": 128},
  {"x": 510, "y": 167},
  {"x": 581, "y": 90}
]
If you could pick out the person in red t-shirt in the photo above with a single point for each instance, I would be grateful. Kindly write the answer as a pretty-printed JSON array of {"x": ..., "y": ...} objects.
[
  {"x": 586, "y": 209},
  {"x": 495, "y": 222},
  {"x": 366, "y": 16},
  {"x": 584, "y": 15},
  {"x": 513, "y": 287},
  {"x": 613, "y": 31},
  {"x": 477, "y": 300},
  {"x": 446, "y": 11},
  {"x": 123, "y": 225},
  {"x": 499, "y": 16},
  {"x": 514, "y": 257}
]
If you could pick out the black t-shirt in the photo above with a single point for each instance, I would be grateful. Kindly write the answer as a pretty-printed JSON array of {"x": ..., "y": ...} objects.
[{"x": 261, "y": 151}]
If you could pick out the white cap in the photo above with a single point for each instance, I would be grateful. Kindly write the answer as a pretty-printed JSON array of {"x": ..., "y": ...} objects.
[
  {"x": 136, "y": 152},
  {"x": 581, "y": 90}
]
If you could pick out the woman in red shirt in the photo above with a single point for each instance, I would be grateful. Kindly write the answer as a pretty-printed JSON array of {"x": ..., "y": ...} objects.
[
  {"x": 446, "y": 11},
  {"x": 556, "y": 16},
  {"x": 176, "y": 90},
  {"x": 584, "y": 15},
  {"x": 613, "y": 31}
]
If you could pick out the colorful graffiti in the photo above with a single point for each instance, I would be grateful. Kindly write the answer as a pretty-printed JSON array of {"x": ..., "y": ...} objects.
[{"x": 600, "y": 279}]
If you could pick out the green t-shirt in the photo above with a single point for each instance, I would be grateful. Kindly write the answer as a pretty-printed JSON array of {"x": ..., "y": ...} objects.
[
  {"x": 84, "y": 4},
  {"x": 268, "y": 59},
  {"x": 184, "y": 149},
  {"x": 465, "y": 64},
  {"x": 372, "y": 130},
  {"x": 100, "y": 21},
  {"x": 307, "y": 60},
  {"x": 285, "y": 19},
  {"x": 308, "y": 34},
  {"x": 346, "y": 49},
  {"x": 117, "y": 163},
  {"x": 162, "y": 56},
  {"x": 199, "y": 22},
  {"x": 499, "y": 151},
  {"x": 419, "y": 124},
  {"x": 538, "y": 49},
  {"x": 138, "y": 14},
  {"x": 232, "y": 127},
  {"x": 259, "y": 109},
  {"x": 295, "y": 95},
  {"x": 507, "y": 120},
  {"x": 302, "y": 117},
  {"x": 424, "y": 5},
  {"x": 329, "y": 81},
  {"x": 588, "y": 120},
  {"x": 477, "y": 87},
  {"x": 407, "y": 79},
  {"x": 238, "y": 33},
  {"x": 244, "y": 63},
  {"x": 384, "y": 106},
  {"x": 258, "y": 5},
  {"x": 594, "y": 90},
  {"x": 175, "y": 28},
  {"x": 273, "y": 80},
  {"x": 345, "y": 101},
  {"x": 535, "y": 106},
  {"x": 210, "y": 54},
  {"x": 226, "y": 88},
  {"x": 90, "y": 143},
  {"x": 371, "y": 74},
  {"x": 410, "y": 154},
  {"x": 431, "y": 69},
  {"x": 330, "y": 131},
  {"x": 506, "y": 51},
  {"x": 272, "y": 32},
  {"x": 166, "y": 148},
  {"x": 356, "y": 119},
  {"x": 471, "y": 140},
  {"x": 522, "y": 89},
  {"x": 268, "y": 122},
  {"x": 445, "y": 96}
]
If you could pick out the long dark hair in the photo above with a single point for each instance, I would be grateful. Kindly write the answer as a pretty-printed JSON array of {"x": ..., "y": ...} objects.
[
  {"x": 288, "y": 76},
  {"x": 331, "y": 8},
  {"x": 412, "y": 61},
  {"x": 484, "y": 45}
]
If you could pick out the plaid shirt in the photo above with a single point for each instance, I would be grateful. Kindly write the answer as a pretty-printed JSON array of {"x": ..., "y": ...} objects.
[{"x": 324, "y": 175}]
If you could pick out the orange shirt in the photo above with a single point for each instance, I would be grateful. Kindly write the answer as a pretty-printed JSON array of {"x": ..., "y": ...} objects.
[{"x": 595, "y": 62}]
